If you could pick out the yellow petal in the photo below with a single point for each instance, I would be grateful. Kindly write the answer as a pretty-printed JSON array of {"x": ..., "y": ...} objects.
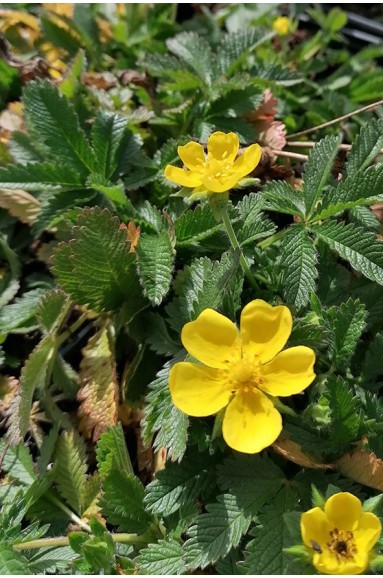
[
  {"x": 343, "y": 511},
  {"x": 212, "y": 339},
  {"x": 315, "y": 528},
  {"x": 182, "y": 177},
  {"x": 246, "y": 163},
  {"x": 198, "y": 390},
  {"x": 222, "y": 146},
  {"x": 220, "y": 184},
  {"x": 265, "y": 329},
  {"x": 192, "y": 155},
  {"x": 368, "y": 531},
  {"x": 290, "y": 372},
  {"x": 251, "y": 423},
  {"x": 328, "y": 564}
]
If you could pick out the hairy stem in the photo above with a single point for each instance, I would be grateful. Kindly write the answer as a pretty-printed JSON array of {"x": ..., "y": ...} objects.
[
  {"x": 270, "y": 240},
  {"x": 71, "y": 515},
  {"x": 234, "y": 243},
  {"x": 290, "y": 155},
  {"x": 64, "y": 541},
  {"x": 72, "y": 329},
  {"x": 335, "y": 120}
]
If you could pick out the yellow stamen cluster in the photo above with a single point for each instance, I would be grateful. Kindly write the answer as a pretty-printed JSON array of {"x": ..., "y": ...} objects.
[{"x": 342, "y": 544}]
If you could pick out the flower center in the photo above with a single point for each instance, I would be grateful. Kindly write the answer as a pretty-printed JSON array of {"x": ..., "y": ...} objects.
[
  {"x": 342, "y": 545},
  {"x": 216, "y": 169},
  {"x": 244, "y": 374}
]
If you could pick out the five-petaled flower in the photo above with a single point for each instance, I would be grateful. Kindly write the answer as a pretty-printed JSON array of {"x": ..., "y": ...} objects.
[
  {"x": 281, "y": 25},
  {"x": 217, "y": 171},
  {"x": 241, "y": 369},
  {"x": 341, "y": 536}
]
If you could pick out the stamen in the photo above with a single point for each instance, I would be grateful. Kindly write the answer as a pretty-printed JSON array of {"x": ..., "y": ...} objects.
[{"x": 342, "y": 545}]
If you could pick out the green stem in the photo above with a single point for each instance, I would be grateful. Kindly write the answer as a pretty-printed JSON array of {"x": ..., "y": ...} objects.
[
  {"x": 72, "y": 329},
  {"x": 234, "y": 243},
  {"x": 69, "y": 513},
  {"x": 270, "y": 240},
  {"x": 64, "y": 541}
]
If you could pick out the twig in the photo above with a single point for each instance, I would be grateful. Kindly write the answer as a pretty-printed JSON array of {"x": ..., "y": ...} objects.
[
  {"x": 290, "y": 155},
  {"x": 335, "y": 120}
]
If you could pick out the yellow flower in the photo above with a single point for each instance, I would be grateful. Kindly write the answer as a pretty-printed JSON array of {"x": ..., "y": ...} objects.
[
  {"x": 281, "y": 25},
  {"x": 241, "y": 368},
  {"x": 219, "y": 170},
  {"x": 341, "y": 536}
]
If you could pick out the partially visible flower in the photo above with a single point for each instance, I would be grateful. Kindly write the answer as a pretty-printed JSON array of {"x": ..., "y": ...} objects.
[
  {"x": 270, "y": 132},
  {"x": 217, "y": 171},
  {"x": 242, "y": 369},
  {"x": 342, "y": 536},
  {"x": 281, "y": 25}
]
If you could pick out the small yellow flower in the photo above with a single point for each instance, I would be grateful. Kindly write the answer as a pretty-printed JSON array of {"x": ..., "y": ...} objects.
[
  {"x": 241, "y": 368},
  {"x": 219, "y": 170},
  {"x": 341, "y": 536},
  {"x": 281, "y": 25}
]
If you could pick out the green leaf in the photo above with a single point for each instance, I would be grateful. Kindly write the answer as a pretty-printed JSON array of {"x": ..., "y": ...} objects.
[
  {"x": 111, "y": 449},
  {"x": 235, "y": 47},
  {"x": 38, "y": 177},
  {"x": 12, "y": 562},
  {"x": 365, "y": 147},
  {"x": 163, "y": 558},
  {"x": 281, "y": 197},
  {"x": 345, "y": 324},
  {"x": 52, "y": 310},
  {"x": 179, "y": 485},
  {"x": 163, "y": 418},
  {"x": 196, "y": 225},
  {"x": 236, "y": 102},
  {"x": 215, "y": 532},
  {"x": 155, "y": 265},
  {"x": 18, "y": 463},
  {"x": 96, "y": 267},
  {"x": 372, "y": 366},
  {"x": 254, "y": 224},
  {"x": 318, "y": 170},
  {"x": 299, "y": 259},
  {"x": 52, "y": 560},
  {"x": 276, "y": 73},
  {"x": 356, "y": 190},
  {"x": 345, "y": 416},
  {"x": 358, "y": 247},
  {"x": 122, "y": 502},
  {"x": 364, "y": 217},
  {"x": 264, "y": 554},
  {"x": 51, "y": 119},
  {"x": 108, "y": 134},
  {"x": 69, "y": 85},
  {"x": 32, "y": 376},
  {"x": 195, "y": 52},
  {"x": 253, "y": 480},
  {"x": 20, "y": 316},
  {"x": 71, "y": 468}
]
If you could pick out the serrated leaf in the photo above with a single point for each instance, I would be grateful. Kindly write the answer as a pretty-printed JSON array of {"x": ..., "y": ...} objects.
[
  {"x": 345, "y": 324},
  {"x": 364, "y": 217},
  {"x": 372, "y": 366},
  {"x": 234, "y": 47},
  {"x": 365, "y": 147},
  {"x": 281, "y": 197},
  {"x": 53, "y": 120},
  {"x": 122, "y": 502},
  {"x": 254, "y": 224},
  {"x": 52, "y": 309},
  {"x": 360, "y": 248},
  {"x": 18, "y": 463},
  {"x": 195, "y": 52},
  {"x": 52, "y": 560},
  {"x": 108, "y": 133},
  {"x": 111, "y": 449},
  {"x": 299, "y": 259},
  {"x": 155, "y": 265},
  {"x": 344, "y": 414},
  {"x": 163, "y": 418},
  {"x": 12, "y": 562},
  {"x": 179, "y": 485},
  {"x": 38, "y": 177},
  {"x": 318, "y": 170},
  {"x": 196, "y": 225},
  {"x": 98, "y": 395},
  {"x": 253, "y": 480},
  {"x": 264, "y": 554},
  {"x": 215, "y": 532},
  {"x": 20, "y": 316},
  {"x": 356, "y": 190},
  {"x": 96, "y": 268},
  {"x": 20, "y": 204},
  {"x": 163, "y": 558},
  {"x": 32, "y": 376},
  {"x": 277, "y": 74},
  {"x": 71, "y": 467}
]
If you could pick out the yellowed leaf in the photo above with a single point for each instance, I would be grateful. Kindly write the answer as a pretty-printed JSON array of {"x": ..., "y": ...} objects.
[
  {"x": 20, "y": 204},
  {"x": 99, "y": 392},
  {"x": 294, "y": 453},
  {"x": 9, "y": 387},
  {"x": 363, "y": 467}
]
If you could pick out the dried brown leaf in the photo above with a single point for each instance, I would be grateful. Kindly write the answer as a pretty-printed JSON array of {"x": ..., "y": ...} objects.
[
  {"x": 20, "y": 204},
  {"x": 294, "y": 453},
  {"x": 99, "y": 392},
  {"x": 363, "y": 467}
]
